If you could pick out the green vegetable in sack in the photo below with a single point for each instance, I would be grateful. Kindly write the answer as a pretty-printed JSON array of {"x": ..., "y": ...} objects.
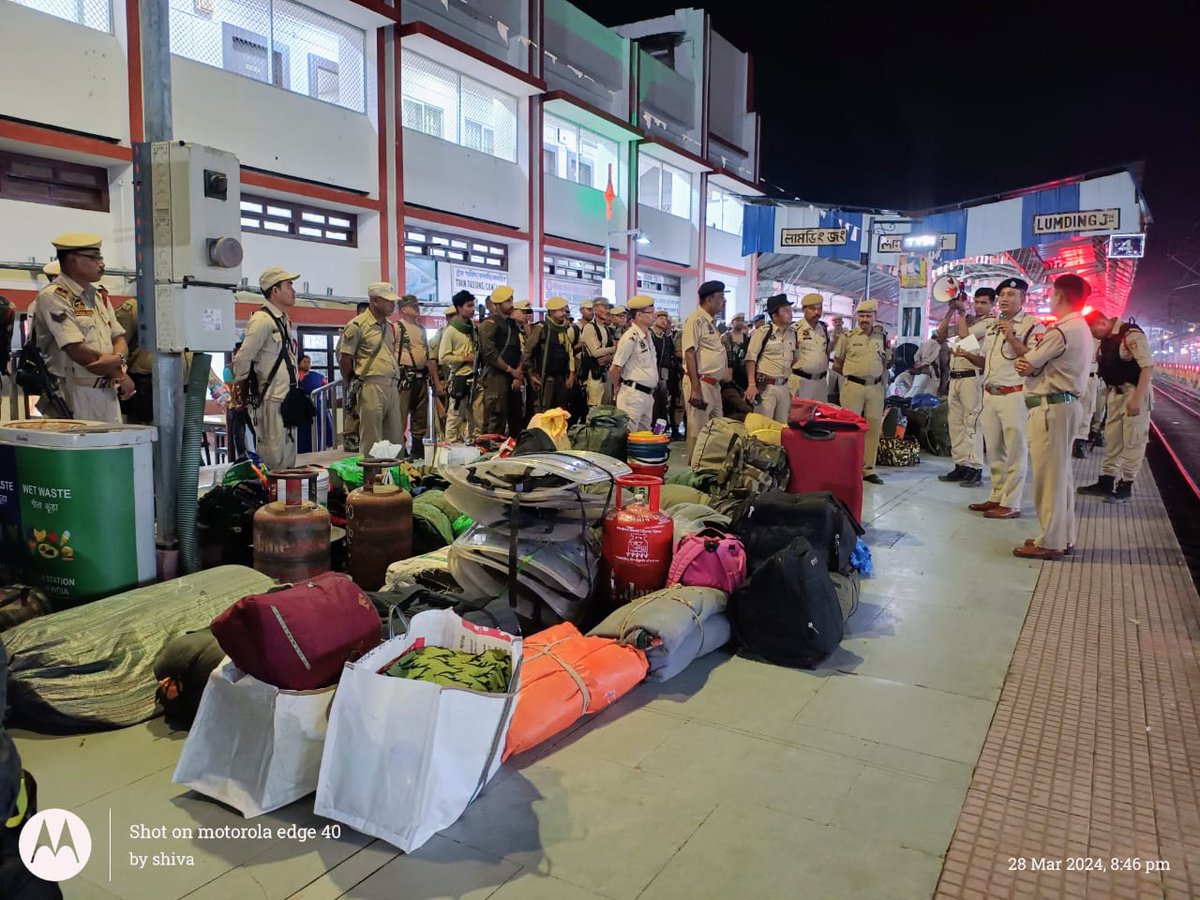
[{"x": 489, "y": 671}]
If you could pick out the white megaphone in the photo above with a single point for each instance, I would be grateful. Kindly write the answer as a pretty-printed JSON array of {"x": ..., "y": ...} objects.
[{"x": 946, "y": 289}]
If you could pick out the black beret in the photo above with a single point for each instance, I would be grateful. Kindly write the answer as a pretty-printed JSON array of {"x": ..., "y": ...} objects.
[
  {"x": 711, "y": 287},
  {"x": 777, "y": 302},
  {"x": 1019, "y": 283}
]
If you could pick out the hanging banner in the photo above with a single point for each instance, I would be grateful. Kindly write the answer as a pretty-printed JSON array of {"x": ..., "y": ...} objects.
[
  {"x": 812, "y": 237},
  {"x": 914, "y": 271}
]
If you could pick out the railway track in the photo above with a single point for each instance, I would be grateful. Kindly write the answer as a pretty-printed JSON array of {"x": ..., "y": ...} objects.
[{"x": 1175, "y": 425}]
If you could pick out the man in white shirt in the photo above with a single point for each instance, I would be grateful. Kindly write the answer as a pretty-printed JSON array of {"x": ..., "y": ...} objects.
[{"x": 634, "y": 370}]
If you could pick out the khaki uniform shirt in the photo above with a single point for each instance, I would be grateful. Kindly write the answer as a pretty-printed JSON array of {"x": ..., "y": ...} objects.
[
  {"x": 700, "y": 334},
  {"x": 597, "y": 338},
  {"x": 414, "y": 346},
  {"x": 455, "y": 349},
  {"x": 999, "y": 357},
  {"x": 1135, "y": 346},
  {"x": 141, "y": 362},
  {"x": 978, "y": 328},
  {"x": 361, "y": 339},
  {"x": 531, "y": 356},
  {"x": 636, "y": 357},
  {"x": 812, "y": 348},
  {"x": 1061, "y": 359},
  {"x": 863, "y": 355},
  {"x": 261, "y": 348},
  {"x": 69, "y": 313},
  {"x": 773, "y": 351}
]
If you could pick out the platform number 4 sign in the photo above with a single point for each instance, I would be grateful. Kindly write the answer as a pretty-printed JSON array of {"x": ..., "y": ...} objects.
[{"x": 1126, "y": 246}]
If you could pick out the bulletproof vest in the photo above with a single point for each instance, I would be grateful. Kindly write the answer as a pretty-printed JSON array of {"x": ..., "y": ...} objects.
[
  {"x": 554, "y": 349},
  {"x": 508, "y": 341},
  {"x": 1114, "y": 370}
]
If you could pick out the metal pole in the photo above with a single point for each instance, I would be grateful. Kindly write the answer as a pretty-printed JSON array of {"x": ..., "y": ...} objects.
[
  {"x": 870, "y": 250},
  {"x": 168, "y": 367}
]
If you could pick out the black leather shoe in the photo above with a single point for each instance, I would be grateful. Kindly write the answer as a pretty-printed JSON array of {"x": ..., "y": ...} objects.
[
  {"x": 972, "y": 478},
  {"x": 955, "y": 474},
  {"x": 874, "y": 479}
]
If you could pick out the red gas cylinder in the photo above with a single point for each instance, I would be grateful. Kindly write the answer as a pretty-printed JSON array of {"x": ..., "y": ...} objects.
[{"x": 637, "y": 541}]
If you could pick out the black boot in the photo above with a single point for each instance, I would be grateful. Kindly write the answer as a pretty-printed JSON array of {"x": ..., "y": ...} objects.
[
  {"x": 1080, "y": 450},
  {"x": 958, "y": 473},
  {"x": 1097, "y": 438},
  {"x": 972, "y": 478},
  {"x": 1123, "y": 493},
  {"x": 1101, "y": 488}
]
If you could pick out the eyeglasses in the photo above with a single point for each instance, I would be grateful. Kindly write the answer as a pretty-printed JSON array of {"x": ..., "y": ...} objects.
[{"x": 97, "y": 257}]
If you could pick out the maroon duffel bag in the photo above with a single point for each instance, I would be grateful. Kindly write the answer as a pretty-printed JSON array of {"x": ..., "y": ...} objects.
[{"x": 298, "y": 638}]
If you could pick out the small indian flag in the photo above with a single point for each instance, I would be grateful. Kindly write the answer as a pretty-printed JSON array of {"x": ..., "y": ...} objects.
[{"x": 609, "y": 195}]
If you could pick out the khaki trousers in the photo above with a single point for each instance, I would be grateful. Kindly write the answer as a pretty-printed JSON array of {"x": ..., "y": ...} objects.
[
  {"x": 776, "y": 402},
  {"x": 813, "y": 388},
  {"x": 1125, "y": 436},
  {"x": 638, "y": 406},
  {"x": 966, "y": 437},
  {"x": 1004, "y": 421},
  {"x": 698, "y": 418},
  {"x": 1099, "y": 403},
  {"x": 379, "y": 414},
  {"x": 1087, "y": 402},
  {"x": 868, "y": 403},
  {"x": 462, "y": 418},
  {"x": 1051, "y": 433},
  {"x": 89, "y": 404},
  {"x": 275, "y": 444},
  {"x": 414, "y": 404},
  {"x": 599, "y": 392}
]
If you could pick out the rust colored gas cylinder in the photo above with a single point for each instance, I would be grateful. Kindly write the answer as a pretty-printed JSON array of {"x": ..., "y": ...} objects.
[
  {"x": 291, "y": 534},
  {"x": 379, "y": 525},
  {"x": 637, "y": 541}
]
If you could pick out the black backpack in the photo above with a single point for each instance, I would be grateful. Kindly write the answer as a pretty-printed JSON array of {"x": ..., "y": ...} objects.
[
  {"x": 769, "y": 522},
  {"x": 788, "y": 612}
]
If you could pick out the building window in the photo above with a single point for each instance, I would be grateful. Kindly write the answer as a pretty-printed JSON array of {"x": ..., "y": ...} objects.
[
  {"x": 724, "y": 211},
  {"x": 277, "y": 42},
  {"x": 441, "y": 103},
  {"x": 454, "y": 248},
  {"x": 95, "y": 14},
  {"x": 53, "y": 182},
  {"x": 664, "y": 187},
  {"x": 283, "y": 218},
  {"x": 576, "y": 154}
]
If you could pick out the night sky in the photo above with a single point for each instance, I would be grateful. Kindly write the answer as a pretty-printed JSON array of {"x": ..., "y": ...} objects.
[{"x": 877, "y": 105}]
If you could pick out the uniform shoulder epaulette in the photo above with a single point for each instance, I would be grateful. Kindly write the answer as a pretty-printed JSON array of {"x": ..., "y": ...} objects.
[{"x": 62, "y": 290}]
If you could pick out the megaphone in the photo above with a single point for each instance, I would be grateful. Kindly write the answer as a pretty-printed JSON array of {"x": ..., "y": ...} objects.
[{"x": 946, "y": 288}]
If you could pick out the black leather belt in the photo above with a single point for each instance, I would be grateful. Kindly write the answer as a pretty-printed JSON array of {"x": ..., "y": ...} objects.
[
  {"x": 862, "y": 381},
  {"x": 967, "y": 374},
  {"x": 804, "y": 374},
  {"x": 637, "y": 387}
]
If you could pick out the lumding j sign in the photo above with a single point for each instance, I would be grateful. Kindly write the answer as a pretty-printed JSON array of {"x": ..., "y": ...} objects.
[{"x": 1084, "y": 220}]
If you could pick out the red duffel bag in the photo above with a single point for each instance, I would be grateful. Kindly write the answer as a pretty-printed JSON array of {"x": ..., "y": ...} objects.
[{"x": 299, "y": 637}]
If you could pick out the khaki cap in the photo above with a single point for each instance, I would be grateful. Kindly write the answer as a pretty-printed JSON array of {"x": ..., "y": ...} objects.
[
  {"x": 586, "y": 304},
  {"x": 812, "y": 300},
  {"x": 410, "y": 300},
  {"x": 274, "y": 276},
  {"x": 77, "y": 240},
  {"x": 639, "y": 302},
  {"x": 523, "y": 305},
  {"x": 620, "y": 311},
  {"x": 52, "y": 269},
  {"x": 555, "y": 303},
  {"x": 501, "y": 294},
  {"x": 383, "y": 289},
  {"x": 868, "y": 306},
  {"x": 450, "y": 312}
]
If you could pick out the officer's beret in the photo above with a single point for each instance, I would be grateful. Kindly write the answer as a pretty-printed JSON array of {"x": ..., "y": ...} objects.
[
  {"x": 710, "y": 287},
  {"x": 812, "y": 300},
  {"x": 385, "y": 290},
  {"x": 641, "y": 301},
  {"x": 868, "y": 306},
  {"x": 555, "y": 303},
  {"x": 52, "y": 269},
  {"x": 523, "y": 305},
  {"x": 1019, "y": 283},
  {"x": 451, "y": 311},
  {"x": 620, "y": 310},
  {"x": 777, "y": 302},
  {"x": 586, "y": 304},
  {"x": 502, "y": 294},
  {"x": 410, "y": 300}
]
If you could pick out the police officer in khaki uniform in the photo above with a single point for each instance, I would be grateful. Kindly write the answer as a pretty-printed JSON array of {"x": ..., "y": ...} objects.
[
  {"x": 966, "y": 389},
  {"x": 599, "y": 345},
  {"x": 460, "y": 343},
  {"x": 418, "y": 374},
  {"x": 1004, "y": 414},
  {"x": 1127, "y": 369},
  {"x": 770, "y": 358},
  {"x": 1091, "y": 396},
  {"x": 138, "y": 409},
  {"x": 861, "y": 358},
  {"x": 1056, "y": 373},
  {"x": 367, "y": 357},
  {"x": 500, "y": 347},
  {"x": 79, "y": 335},
  {"x": 812, "y": 353},
  {"x": 704, "y": 361},
  {"x": 549, "y": 358},
  {"x": 634, "y": 371},
  {"x": 620, "y": 322},
  {"x": 269, "y": 353}
]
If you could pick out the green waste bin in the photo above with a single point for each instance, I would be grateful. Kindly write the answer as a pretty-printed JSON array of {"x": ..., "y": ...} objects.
[{"x": 77, "y": 507}]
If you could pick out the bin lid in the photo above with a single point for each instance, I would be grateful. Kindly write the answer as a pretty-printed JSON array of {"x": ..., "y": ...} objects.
[{"x": 74, "y": 434}]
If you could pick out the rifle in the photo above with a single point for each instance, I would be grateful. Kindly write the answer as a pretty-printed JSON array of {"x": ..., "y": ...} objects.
[{"x": 34, "y": 377}]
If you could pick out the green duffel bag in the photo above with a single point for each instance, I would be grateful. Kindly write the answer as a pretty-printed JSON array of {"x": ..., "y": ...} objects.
[
  {"x": 606, "y": 431},
  {"x": 937, "y": 432}
]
